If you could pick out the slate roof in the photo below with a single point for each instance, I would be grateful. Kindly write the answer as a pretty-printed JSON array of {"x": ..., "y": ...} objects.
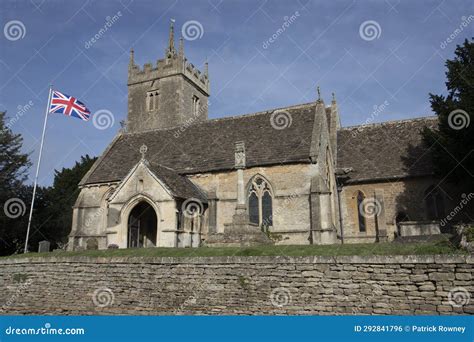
[
  {"x": 379, "y": 151},
  {"x": 386, "y": 150},
  {"x": 180, "y": 186},
  {"x": 210, "y": 145}
]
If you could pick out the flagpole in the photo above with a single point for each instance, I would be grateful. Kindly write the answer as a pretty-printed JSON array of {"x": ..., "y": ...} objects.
[{"x": 38, "y": 167}]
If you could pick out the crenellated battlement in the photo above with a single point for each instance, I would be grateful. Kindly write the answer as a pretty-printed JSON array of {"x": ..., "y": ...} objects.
[{"x": 169, "y": 67}]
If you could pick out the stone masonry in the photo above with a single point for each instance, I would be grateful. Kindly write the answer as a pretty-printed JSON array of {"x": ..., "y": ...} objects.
[
  {"x": 399, "y": 285},
  {"x": 302, "y": 177},
  {"x": 173, "y": 88}
]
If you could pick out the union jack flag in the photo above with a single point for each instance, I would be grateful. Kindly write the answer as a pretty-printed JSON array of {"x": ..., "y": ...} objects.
[{"x": 68, "y": 105}]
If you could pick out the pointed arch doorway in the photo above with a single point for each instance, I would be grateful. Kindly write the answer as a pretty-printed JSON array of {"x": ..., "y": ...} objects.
[{"x": 142, "y": 226}]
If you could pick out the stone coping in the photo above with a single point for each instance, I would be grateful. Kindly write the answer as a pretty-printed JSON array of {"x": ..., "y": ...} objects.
[{"x": 373, "y": 259}]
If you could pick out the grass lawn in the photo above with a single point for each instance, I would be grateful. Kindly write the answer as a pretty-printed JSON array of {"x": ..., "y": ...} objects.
[{"x": 439, "y": 247}]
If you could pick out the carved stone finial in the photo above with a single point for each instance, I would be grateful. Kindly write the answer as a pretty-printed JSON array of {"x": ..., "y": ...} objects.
[
  {"x": 143, "y": 150},
  {"x": 240, "y": 155},
  {"x": 131, "y": 63},
  {"x": 319, "y": 93},
  {"x": 181, "y": 47},
  {"x": 171, "y": 51},
  {"x": 206, "y": 68},
  {"x": 333, "y": 97}
]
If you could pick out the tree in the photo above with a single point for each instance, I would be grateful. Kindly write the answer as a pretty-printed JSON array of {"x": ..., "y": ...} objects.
[
  {"x": 13, "y": 167},
  {"x": 13, "y": 163},
  {"x": 43, "y": 202},
  {"x": 453, "y": 142},
  {"x": 62, "y": 197},
  {"x": 52, "y": 214}
]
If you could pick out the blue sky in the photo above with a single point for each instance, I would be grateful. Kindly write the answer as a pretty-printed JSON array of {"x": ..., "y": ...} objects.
[{"x": 395, "y": 63}]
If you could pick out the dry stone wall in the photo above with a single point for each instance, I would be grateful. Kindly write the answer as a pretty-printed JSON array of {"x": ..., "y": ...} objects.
[{"x": 238, "y": 285}]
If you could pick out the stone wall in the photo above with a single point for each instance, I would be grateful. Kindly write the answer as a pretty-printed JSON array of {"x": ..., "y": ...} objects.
[
  {"x": 237, "y": 285},
  {"x": 94, "y": 217},
  {"x": 405, "y": 196},
  {"x": 290, "y": 185}
]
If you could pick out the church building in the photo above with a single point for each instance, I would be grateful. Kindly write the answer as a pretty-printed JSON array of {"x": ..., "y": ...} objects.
[{"x": 174, "y": 178}]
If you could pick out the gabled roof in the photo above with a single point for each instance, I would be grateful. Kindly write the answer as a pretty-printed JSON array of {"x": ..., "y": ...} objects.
[
  {"x": 210, "y": 145},
  {"x": 388, "y": 150},
  {"x": 379, "y": 151},
  {"x": 176, "y": 185},
  {"x": 180, "y": 186}
]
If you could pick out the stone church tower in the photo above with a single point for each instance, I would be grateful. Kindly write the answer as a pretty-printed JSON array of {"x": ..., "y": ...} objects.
[{"x": 170, "y": 93}]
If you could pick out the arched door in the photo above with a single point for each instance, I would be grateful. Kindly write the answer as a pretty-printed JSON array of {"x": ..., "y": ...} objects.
[{"x": 142, "y": 226}]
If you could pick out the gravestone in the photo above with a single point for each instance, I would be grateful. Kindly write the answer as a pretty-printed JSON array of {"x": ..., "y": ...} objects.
[{"x": 44, "y": 246}]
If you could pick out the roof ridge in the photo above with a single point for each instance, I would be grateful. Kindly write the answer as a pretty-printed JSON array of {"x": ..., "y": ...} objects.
[
  {"x": 430, "y": 117},
  {"x": 100, "y": 159},
  {"x": 185, "y": 179},
  {"x": 161, "y": 165},
  {"x": 238, "y": 116},
  {"x": 233, "y": 117}
]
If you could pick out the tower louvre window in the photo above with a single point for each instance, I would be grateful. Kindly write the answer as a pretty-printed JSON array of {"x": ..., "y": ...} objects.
[
  {"x": 167, "y": 93},
  {"x": 152, "y": 100},
  {"x": 196, "y": 105}
]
